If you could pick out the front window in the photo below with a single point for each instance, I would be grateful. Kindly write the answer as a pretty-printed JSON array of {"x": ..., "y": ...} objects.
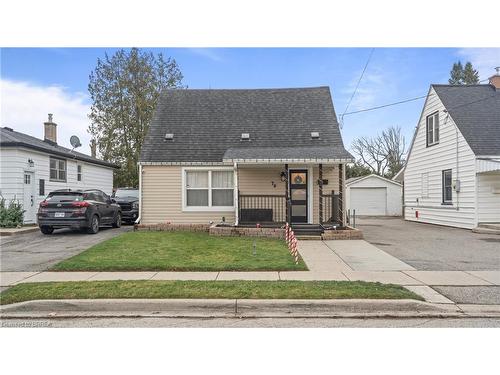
[
  {"x": 447, "y": 189},
  {"x": 209, "y": 188},
  {"x": 433, "y": 129},
  {"x": 57, "y": 169},
  {"x": 79, "y": 172}
]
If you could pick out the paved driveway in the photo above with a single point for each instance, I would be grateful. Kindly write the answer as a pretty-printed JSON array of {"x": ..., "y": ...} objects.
[
  {"x": 432, "y": 247},
  {"x": 37, "y": 252}
]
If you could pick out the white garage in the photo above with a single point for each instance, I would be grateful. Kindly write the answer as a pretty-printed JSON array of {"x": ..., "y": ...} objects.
[{"x": 373, "y": 195}]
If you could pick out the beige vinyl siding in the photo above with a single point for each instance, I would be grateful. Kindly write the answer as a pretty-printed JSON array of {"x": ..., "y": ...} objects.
[
  {"x": 432, "y": 161},
  {"x": 488, "y": 198},
  {"x": 162, "y": 199}
]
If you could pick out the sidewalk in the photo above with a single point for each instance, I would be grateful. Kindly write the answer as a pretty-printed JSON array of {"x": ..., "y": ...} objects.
[{"x": 349, "y": 260}]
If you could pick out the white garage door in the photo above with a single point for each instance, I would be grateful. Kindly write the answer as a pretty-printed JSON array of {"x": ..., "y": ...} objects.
[{"x": 368, "y": 201}]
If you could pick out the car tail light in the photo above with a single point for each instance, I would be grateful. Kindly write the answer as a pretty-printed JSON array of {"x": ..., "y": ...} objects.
[{"x": 80, "y": 204}]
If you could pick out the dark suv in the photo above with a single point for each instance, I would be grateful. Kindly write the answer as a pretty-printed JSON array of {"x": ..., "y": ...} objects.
[
  {"x": 78, "y": 209},
  {"x": 128, "y": 199}
]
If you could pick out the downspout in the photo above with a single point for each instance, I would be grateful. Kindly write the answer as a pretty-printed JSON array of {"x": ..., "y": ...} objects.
[
  {"x": 236, "y": 195},
  {"x": 457, "y": 179},
  {"x": 140, "y": 195}
]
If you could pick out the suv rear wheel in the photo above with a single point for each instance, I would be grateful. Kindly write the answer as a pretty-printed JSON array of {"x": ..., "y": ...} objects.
[
  {"x": 46, "y": 229},
  {"x": 94, "y": 225}
]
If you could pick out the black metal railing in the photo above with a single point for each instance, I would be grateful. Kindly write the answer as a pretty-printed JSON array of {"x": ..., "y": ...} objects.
[
  {"x": 331, "y": 212},
  {"x": 262, "y": 208}
]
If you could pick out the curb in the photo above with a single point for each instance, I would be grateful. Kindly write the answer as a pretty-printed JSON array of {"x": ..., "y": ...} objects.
[
  {"x": 246, "y": 308},
  {"x": 4, "y": 233}
]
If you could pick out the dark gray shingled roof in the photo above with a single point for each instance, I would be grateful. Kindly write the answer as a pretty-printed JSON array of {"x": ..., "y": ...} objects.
[
  {"x": 207, "y": 125},
  {"x": 475, "y": 109},
  {"x": 11, "y": 138}
]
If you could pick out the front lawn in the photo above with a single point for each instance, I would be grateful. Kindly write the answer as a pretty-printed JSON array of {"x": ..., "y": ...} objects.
[
  {"x": 205, "y": 289},
  {"x": 183, "y": 251}
]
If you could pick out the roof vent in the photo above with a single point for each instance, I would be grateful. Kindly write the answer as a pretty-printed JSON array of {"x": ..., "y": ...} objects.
[
  {"x": 9, "y": 129},
  {"x": 169, "y": 136},
  {"x": 245, "y": 136},
  {"x": 315, "y": 135}
]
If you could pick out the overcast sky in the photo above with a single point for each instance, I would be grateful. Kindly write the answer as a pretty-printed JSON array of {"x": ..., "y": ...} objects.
[{"x": 37, "y": 81}]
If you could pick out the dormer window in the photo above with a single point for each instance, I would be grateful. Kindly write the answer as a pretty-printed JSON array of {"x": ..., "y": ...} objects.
[
  {"x": 245, "y": 136},
  {"x": 432, "y": 126}
]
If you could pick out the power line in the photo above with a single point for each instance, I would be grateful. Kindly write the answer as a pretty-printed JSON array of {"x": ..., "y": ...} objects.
[
  {"x": 383, "y": 106},
  {"x": 357, "y": 85},
  {"x": 402, "y": 102}
]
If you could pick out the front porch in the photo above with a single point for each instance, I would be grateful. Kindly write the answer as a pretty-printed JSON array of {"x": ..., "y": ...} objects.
[{"x": 304, "y": 195}]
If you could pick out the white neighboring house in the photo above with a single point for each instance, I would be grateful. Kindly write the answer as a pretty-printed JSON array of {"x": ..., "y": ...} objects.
[
  {"x": 30, "y": 168},
  {"x": 452, "y": 175},
  {"x": 373, "y": 195}
]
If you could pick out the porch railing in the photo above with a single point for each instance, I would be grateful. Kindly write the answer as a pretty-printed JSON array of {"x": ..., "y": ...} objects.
[
  {"x": 261, "y": 208},
  {"x": 331, "y": 212}
]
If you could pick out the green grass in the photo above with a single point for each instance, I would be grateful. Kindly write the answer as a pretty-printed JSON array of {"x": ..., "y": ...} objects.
[
  {"x": 205, "y": 289},
  {"x": 183, "y": 251}
]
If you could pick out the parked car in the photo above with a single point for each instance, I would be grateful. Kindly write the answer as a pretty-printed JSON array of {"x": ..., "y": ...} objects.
[
  {"x": 128, "y": 199},
  {"x": 86, "y": 210}
]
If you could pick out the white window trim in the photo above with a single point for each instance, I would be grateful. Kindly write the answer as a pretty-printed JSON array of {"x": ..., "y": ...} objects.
[
  {"x": 209, "y": 208},
  {"x": 434, "y": 141},
  {"x": 81, "y": 173},
  {"x": 57, "y": 169}
]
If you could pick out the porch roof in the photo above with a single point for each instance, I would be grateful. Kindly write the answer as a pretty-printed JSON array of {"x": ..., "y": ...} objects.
[{"x": 318, "y": 154}]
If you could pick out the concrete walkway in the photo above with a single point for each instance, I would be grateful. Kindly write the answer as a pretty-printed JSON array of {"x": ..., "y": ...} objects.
[{"x": 327, "y": 260}]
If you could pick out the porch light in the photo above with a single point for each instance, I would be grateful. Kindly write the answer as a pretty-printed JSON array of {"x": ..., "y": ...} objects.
[
  {"x": 283, "y": 176},
  {"x": 31, "y": 163}
]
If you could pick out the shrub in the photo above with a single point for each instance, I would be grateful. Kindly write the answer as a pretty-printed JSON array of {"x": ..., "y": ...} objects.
[{"x": 11, "y": 216}]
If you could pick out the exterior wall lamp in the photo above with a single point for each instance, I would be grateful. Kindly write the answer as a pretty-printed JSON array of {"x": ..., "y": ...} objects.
[
  {"x": 31, "y": 163},
  {"x": 283, "y": 176}
]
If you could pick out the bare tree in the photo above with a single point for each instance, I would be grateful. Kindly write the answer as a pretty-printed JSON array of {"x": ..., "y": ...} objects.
[
  {"x": 383, "y": 154},
  {"x": 371, "y": 153},
  {"x": 394, "y": 145}
]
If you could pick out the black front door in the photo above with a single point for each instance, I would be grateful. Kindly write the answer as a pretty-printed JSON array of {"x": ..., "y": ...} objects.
[{"x": 298, "y": 195}]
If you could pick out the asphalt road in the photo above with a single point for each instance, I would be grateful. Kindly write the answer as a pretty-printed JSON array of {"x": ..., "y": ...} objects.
[
  {"x": 251, "y": 323},
  {"x": 37, "y": 252},
  {"x": 432, "y": 247}
]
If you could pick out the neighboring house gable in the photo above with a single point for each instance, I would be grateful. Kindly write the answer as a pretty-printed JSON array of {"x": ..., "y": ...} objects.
[{"x": 440, "y": 175}]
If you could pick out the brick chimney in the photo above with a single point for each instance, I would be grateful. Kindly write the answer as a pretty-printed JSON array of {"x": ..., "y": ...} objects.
[
  {"x": 50, "y": 127},
  {"x": 93, "y": 148},
  {"x": 495, "y": 79}
]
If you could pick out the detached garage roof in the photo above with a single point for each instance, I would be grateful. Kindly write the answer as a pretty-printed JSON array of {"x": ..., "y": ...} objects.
[{"x": 354, "y": 180}]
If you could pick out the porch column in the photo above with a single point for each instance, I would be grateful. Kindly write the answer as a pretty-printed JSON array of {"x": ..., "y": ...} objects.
[
  {"x": 320, "y": 195},
  {"x": 341, "y": 194},
  {"x": 286, "y": 194}
]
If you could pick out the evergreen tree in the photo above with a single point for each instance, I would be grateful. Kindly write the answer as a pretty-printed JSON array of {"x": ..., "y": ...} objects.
[
  {"x": 470, "y": 75},
  {"x": 124, "y": 89},
  {"x": 457, "y": 74}
]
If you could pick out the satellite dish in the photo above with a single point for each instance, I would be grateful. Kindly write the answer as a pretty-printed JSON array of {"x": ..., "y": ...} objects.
[{"x": 75, "y": 141}]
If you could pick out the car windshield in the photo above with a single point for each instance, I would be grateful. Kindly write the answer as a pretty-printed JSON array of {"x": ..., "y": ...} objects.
[
  {"x": 64, "y": 197},
  {"x": 126, "y": 193}
]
